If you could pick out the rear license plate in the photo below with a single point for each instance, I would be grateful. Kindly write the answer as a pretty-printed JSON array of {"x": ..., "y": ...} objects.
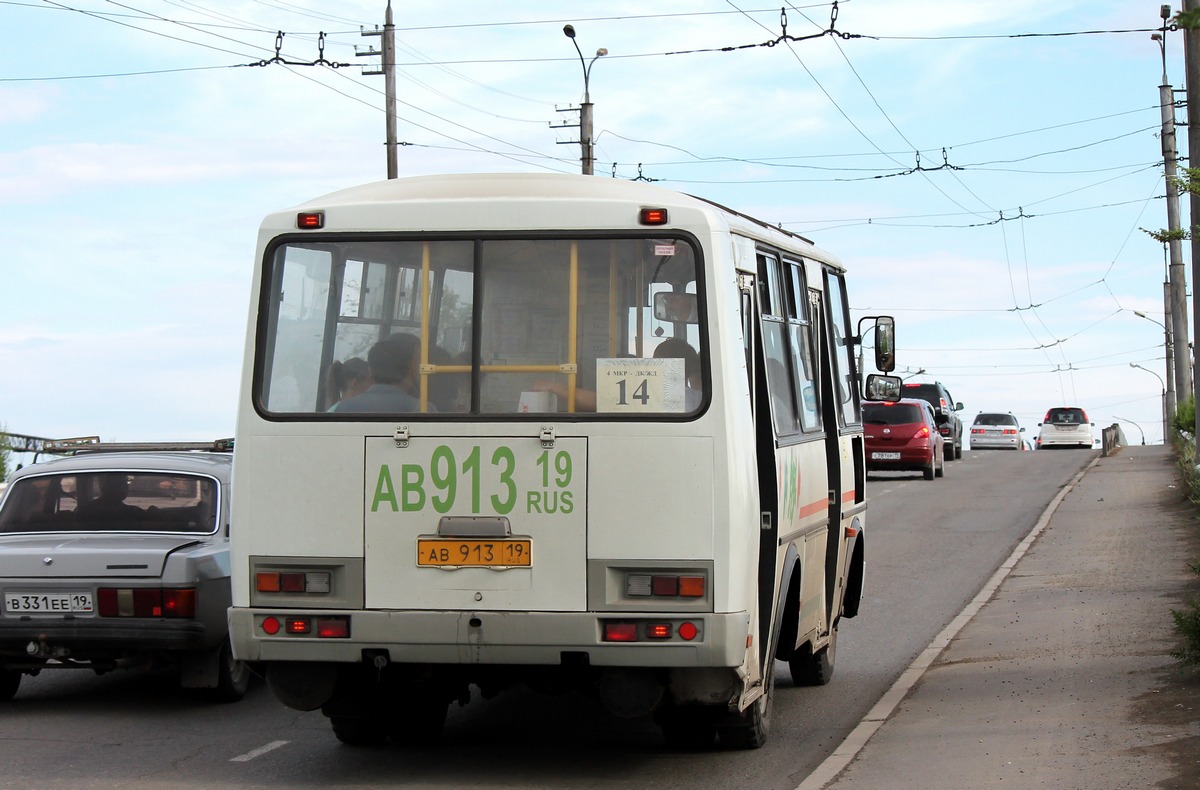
[
  {"x": 455, "y": 553},
  {"x": 885, "y": 456},
  {"x": 48, "y": 603}
]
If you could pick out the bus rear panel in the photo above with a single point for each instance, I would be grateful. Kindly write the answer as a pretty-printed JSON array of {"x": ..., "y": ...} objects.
[{"x": 606, "y": 438}]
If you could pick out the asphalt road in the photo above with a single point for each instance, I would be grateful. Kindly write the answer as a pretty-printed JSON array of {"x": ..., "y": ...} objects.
[{"x": 931, "y": 546}]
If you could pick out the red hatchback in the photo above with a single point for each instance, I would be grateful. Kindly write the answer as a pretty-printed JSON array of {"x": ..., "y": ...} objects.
[{"x": 902, "y": 435}]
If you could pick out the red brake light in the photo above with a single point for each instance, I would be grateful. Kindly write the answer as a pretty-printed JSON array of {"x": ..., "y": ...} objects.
[
  {"x": 665, "y": 585},
  {"x": 310, "y": 220},
  {"x": 179, "y": 603},
  {"x": 334, "y": 628},
  {"x": 291, "y": 582},
  {"x": 923, "y": 432},
  {"x": 145, "y": 602},
  {"x": 620, "y": 632},
  {"x": 653, "y": 216}
]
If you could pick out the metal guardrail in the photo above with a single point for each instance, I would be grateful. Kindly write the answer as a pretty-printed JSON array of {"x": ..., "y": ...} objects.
[{"x": 1110, "y": 439}]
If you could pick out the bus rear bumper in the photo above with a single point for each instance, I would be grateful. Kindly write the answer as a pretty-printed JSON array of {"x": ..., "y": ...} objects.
[{"x": 526, "y": 638}]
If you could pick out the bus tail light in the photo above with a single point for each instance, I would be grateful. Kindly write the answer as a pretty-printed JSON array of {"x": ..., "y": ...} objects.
[
  {"x": 333, "y": 628},
  {"x": 146, "y": 602},
  {"x": 301, "y": 625},
  {"x": 664, "y": 585},
  {"x": 304, "y": 582},
  {"x": 620, "y": 632},
  {"x": 648, "y": 631}
]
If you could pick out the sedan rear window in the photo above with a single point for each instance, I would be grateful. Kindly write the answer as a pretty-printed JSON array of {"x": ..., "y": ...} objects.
[
  {"x": 995, "y": 419},
  {"x": 891, "y": 414},
  {"x": 1060, "y": 416},
  {"x": 111, "y": 502}
]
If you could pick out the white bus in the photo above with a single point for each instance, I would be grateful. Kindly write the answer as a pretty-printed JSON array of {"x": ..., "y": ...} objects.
[{"x": 608, "y": 438}]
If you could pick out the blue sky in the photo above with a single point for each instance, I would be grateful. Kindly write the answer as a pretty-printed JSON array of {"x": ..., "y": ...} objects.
[{"x": 985, "y": 186}]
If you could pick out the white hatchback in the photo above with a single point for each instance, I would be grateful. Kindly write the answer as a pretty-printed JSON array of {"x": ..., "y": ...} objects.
[{"x": 1065, "y": 426}]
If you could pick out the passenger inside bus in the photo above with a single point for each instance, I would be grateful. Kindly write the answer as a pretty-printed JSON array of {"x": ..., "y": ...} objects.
[
  {"x": 346, "y": 380},
  {"x": 394, "y": 364}
]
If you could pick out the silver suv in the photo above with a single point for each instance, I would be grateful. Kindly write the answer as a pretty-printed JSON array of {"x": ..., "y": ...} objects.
[
  {"x": 945, "y": 409},
  {"x": 118, "y": 556}
]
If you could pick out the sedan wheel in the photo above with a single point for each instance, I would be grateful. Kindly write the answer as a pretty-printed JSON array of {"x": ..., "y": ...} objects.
[
  {"x": 233, "y": 676},
  {"x": 10, "y": 679}
]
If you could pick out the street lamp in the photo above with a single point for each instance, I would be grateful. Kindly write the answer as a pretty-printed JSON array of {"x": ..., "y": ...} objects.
[
  {"x": 1135, "y": 425},
  {"x": 1166, "y": 414},
  {"x": 1172, "y": 373},
  {"x": 914, "y": 373},
  {"x": 585, "y": 110}
]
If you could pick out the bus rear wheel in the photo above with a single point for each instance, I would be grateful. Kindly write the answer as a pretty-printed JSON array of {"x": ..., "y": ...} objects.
[
  {"x": 754, "y": 723},
  {"x": 687, "y": 728},
  {"x": 421, "y": 722},
  {"x": 814, "y": 669}
]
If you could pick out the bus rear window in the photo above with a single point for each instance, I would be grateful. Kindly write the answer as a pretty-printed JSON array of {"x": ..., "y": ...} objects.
[{"x": 362, "y": 329}]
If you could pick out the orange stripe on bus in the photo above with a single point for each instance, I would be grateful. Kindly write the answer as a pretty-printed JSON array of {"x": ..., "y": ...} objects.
[{"x": 813, "y": 508}]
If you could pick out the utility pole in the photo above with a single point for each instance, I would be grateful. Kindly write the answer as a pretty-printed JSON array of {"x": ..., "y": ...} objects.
[
  {"x": 1176, "y": 296},
  {"x": 1191, "y": 57},
  {"x": 388, "y": 70},
  {"x": 586, "y": 143}
]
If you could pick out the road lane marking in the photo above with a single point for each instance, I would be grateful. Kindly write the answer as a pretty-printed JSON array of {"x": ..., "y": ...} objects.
[{"x": 259, "y": 752}]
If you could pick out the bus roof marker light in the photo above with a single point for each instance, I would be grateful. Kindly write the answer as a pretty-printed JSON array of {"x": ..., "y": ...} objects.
[
  {"x": 652, "y": 216},
  {"x": 310, "y": 220}
]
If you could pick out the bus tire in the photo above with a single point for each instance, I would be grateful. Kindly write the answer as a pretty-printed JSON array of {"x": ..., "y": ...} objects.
[
  {"x": 754, "y": 723},
  {"x": 687, "y": 727},
  {"x": 10, "y": 680},
  {"x": 814, "y": 669},
  {"x": 422, "y": 721},
  {"x": 359, "y": 730}
]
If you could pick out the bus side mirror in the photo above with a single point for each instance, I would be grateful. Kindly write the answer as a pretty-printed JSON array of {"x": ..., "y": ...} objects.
[
  {"x": 885, "y": 343},
  {"x": 881, "y": 387}
]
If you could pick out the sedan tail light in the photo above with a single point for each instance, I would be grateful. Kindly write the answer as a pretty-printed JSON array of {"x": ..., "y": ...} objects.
[{"x": 146, "y": 602}]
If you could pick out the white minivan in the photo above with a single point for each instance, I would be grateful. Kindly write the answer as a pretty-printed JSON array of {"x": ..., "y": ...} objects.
[{"x": 1065, "y": 426}]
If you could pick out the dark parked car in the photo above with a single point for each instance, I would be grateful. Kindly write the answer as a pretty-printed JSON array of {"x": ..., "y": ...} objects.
[
  {"x": 943, "y": 405},
  {"x": 993, "y": 429},
  {"x": 902, "y": 435},
  {"x": 119, "y": 559}
]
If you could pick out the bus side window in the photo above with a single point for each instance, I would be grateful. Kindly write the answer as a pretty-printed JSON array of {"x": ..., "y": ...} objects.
[
  {"x": 776, "y": 352},
  {"x": 843, "y": 360}
]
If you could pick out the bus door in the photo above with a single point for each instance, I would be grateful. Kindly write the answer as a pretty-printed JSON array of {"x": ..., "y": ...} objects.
[
  {"x": 768, "y": 495},
  {"x": 844, "y": 449}
]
